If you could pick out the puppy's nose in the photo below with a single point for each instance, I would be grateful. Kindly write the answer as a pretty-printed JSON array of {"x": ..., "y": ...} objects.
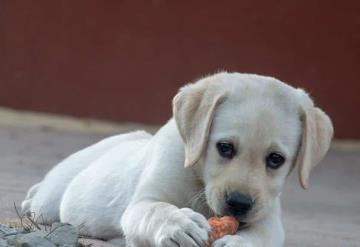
[{"x": 239, "y": 204}]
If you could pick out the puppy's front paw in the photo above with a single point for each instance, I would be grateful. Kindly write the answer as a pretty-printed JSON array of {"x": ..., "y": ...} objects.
[
  {"x": 232, "y": 241},
  {"x": 184, "y": 228}
]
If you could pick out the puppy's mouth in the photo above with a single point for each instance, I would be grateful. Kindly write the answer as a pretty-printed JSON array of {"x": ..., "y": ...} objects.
[
  {"x": 220, "y": 208},
  {"x": 244, "y": 222},
  {"x": 243, "y": 225}
]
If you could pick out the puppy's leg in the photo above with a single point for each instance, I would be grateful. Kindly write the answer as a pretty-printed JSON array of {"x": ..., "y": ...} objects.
[
  {"x": 268, "y": 232},
  {"x": 26, "y": 204},
  {"x": 160, "y": 224},
  {"x": 156, "y": 216},
  {"x": 44, "y": 198}
]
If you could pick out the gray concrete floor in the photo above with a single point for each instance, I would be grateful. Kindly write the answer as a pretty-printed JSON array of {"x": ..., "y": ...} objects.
[{"x": 328, "y": 214}]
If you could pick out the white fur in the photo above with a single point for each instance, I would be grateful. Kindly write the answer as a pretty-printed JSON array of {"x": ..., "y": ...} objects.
[{"x": 135, "y": 185}]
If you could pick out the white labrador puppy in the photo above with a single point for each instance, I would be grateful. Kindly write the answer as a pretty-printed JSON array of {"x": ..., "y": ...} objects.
[{"x": 232, "y": 142}]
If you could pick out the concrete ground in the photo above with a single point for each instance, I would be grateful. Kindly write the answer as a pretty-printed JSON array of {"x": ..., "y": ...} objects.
[{"x": 328, "y": 214}]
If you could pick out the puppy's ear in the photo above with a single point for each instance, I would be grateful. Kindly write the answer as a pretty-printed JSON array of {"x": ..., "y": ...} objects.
[
  {"x": 194, "y": 108},
  {"x": 317, "y": 132}
]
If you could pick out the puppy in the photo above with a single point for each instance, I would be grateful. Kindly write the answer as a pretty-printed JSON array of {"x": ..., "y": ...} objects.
[{"x": 232, "y": 142}]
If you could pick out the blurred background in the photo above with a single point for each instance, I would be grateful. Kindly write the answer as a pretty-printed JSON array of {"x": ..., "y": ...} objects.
[
  {"x": 124, "y": 60},
  {"x": 74, "y": 72}
]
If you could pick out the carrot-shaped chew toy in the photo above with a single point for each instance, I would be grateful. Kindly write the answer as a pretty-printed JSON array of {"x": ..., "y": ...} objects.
[{"x": 221, "y": 226}]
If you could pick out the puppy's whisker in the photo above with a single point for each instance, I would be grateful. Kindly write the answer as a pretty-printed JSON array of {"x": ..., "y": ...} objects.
[{"x": 196, "y": 197}]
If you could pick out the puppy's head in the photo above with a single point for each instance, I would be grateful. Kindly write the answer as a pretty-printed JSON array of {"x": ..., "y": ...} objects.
[{"x": 243, "y": 134}]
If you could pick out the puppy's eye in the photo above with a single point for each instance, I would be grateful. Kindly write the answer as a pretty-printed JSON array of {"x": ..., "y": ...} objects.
[
  {"x": 225, "y": 149},
  {"x": 274, "y": 160}
]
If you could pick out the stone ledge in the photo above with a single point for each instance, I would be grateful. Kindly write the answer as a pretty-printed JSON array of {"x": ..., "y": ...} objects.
[{"x": 22, "y": 118}]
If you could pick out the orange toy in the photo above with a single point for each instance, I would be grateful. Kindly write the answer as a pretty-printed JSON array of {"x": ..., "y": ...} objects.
[{"x": 222, "y": 226}]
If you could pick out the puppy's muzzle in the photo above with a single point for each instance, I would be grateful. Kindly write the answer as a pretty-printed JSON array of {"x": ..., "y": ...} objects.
[{"x": 238, "y": 204}]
